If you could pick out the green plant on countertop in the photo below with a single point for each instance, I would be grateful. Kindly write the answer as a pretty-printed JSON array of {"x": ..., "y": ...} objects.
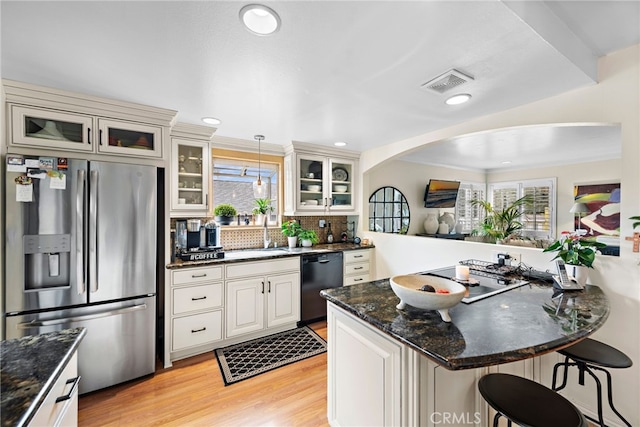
[
  {"x": 637, "y": 219},
  {"x": 575, "y": 249},
  {"x": 310, "y": 235},
  {"x": 225, "y": 210},
  {"x": 291, "y": 228},
  {"x": 499, "y": 225},
  {"x": 263, "y": 206}
]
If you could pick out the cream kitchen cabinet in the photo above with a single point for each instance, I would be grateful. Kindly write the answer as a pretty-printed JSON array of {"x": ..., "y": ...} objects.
[
  {"x": 197, "y": 303},
  {"x": 39, "y": 128},
  {"x": 45, "y": 118},
  {"x": 318, "y": 183},
  {"x": 262, "y": 296},
  {"x": 60, "y": 405},
  {"x": 190, "y": 171},
  {"x": 357, "y": 266},
  {"x": 364, "y": 375}
]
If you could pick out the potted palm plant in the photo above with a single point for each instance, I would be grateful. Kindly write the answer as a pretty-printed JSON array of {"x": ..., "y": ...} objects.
[
  {"x": 499, "y": 225},
  {"x": 291, "y": 229},
  {"x": 224, "y": 213},
  {"x": 263, "y": 207},
  {"x": 308, "y": 237}
]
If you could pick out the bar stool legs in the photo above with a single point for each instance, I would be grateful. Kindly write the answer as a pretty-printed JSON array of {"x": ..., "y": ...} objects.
[{"x": 585, "y": 356}]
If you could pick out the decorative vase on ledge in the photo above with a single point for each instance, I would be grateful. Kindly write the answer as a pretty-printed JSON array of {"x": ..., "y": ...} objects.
[{"x": 431, "y": 224}]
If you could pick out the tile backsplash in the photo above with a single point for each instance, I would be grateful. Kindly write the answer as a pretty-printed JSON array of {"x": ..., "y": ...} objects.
[{"x": 246, "y": 237}]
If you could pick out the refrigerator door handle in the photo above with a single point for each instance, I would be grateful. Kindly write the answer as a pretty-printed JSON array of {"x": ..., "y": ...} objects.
[
  {"x": 93, "y": 232},
  {"x": 80, "y": 267},
  {"x": 63, "y": 320}
]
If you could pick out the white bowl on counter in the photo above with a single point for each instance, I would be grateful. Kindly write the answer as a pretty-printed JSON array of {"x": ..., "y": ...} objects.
[
  {"x": 407, "y": 288},
  {"x": 340, "y": 188}
]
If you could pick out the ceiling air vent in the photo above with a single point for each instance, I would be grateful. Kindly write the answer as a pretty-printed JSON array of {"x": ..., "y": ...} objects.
[{"x": 447, "y": 81}]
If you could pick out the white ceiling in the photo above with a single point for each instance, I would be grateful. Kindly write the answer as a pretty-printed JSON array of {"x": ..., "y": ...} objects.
[{"x": 336, "y": 70}]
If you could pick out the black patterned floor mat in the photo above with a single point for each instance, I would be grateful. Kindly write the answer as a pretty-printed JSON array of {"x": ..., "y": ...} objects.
[{"x": 241, "y": 361}]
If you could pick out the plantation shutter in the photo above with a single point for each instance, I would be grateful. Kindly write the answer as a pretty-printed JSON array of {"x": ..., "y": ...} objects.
[
  {"x": 537, "y": 219},
  {"x": 469, "y": 215}
]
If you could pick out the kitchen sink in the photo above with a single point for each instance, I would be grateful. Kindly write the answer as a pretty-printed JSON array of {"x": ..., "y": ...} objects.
[{"x": 255, "y": 253}]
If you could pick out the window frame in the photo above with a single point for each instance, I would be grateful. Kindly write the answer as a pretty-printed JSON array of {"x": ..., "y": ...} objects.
[
  {"x": 520, "y": 186},
  {"x": 476, "y": 211},
  {"x": 240, "y": 156}
]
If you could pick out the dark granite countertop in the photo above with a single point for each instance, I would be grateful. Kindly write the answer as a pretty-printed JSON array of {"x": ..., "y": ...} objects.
[
  {"x": 515, "y": 325},
  {"x": 29, "y": 368},
  {"x": 270, "y": 253}
]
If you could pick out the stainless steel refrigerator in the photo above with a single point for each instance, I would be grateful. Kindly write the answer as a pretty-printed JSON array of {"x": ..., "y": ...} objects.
[{"x": 82, "y": 252}]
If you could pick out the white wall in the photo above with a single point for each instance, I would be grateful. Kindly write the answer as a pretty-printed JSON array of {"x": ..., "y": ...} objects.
[{"x": 615, "y": 99}]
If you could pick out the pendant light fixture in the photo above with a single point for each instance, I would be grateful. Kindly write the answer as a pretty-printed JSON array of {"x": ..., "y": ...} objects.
[{"x": 259, "y": 190}]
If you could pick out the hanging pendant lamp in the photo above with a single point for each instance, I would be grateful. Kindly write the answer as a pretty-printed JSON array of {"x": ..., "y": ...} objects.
[{"x": 259, "y": 190}]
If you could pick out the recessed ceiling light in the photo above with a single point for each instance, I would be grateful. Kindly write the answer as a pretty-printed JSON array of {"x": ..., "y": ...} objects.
[
  {"x": 460, "y": 98},
  {"x": 339, "y": 144},
  {"x": 260, "y": 19},
  {"x": 506, "y": 162},
  {"x": 211, "y": 120}
]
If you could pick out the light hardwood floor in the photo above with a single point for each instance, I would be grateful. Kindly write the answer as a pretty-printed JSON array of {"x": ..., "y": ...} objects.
[{"x": 192, "y": 393}]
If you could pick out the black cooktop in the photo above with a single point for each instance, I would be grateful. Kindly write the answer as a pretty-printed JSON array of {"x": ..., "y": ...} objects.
[{"x": 481, "y": 284}]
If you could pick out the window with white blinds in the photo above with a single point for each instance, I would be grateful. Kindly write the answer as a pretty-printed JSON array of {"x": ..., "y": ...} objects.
[
  {"x": 538, "y": 218},
  {"x": 469, "y": 215}
]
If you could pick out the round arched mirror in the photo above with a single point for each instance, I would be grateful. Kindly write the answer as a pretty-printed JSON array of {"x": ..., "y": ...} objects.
[{"x": 388, "y": 211}]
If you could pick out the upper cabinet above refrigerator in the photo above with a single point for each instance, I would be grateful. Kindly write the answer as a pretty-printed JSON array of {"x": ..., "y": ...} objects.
[{"x": 44, "y": 118}]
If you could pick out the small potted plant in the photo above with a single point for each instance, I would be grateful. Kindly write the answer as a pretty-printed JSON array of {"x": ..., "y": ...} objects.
[
  {"x": 224, "y": 213},
  {"x": 576, "y": 250},
  {"x": 308, "y": 237},
  {"x": 263, "y": 207},
  {"x": 291, "y": 229}
]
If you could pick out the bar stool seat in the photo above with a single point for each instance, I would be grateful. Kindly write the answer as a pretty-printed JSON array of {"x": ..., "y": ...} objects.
[
  {"x": 589, "y": 355},
  {"x": 528, "y": 403}
]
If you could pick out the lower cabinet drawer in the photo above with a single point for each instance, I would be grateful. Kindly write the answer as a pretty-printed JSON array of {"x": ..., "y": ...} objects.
[
  {"x": 194, "y": 298},
  {"x": 359, "y": 278},
  {"x": 197, "y": 329},
  {"x": 358, "y": 268},
  {"x": 64, "y": 412}
]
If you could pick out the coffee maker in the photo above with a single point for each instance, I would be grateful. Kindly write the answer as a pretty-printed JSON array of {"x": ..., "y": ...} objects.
[
  {"x": 194, "y": 232},
  {"x": 212, "y": 235}
]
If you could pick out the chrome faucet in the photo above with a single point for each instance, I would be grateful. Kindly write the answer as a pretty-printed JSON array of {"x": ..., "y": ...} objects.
[{"x": 267, "y": 240}]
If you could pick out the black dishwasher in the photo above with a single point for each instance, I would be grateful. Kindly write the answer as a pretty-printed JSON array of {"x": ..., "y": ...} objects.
[{"x": 319, "y": 271}]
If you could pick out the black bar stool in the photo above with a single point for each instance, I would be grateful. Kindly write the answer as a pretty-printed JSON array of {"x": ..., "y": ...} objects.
[
  {"x": 589, "y": 355},
  {"x": 528, "y": 403}
]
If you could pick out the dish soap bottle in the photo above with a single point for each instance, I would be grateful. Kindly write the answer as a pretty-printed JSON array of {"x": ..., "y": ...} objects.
[{"x": 329, "y": 234}]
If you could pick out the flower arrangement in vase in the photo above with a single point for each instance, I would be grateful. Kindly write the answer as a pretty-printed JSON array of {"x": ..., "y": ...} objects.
[{"x": 576, "y": 250}]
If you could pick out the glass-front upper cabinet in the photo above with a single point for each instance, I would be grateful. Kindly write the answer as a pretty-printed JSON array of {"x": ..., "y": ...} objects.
[
  {"x": 51, "y": 129},
  {"x": 190, "y": 176},
  {"x": 324, "y": 183},
  {"x": 129, "y": 138},
  {"x": 341, "y": 174}
]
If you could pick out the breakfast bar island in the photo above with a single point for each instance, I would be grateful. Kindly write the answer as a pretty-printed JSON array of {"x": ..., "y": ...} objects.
[{"x": 407, "y": 367}]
